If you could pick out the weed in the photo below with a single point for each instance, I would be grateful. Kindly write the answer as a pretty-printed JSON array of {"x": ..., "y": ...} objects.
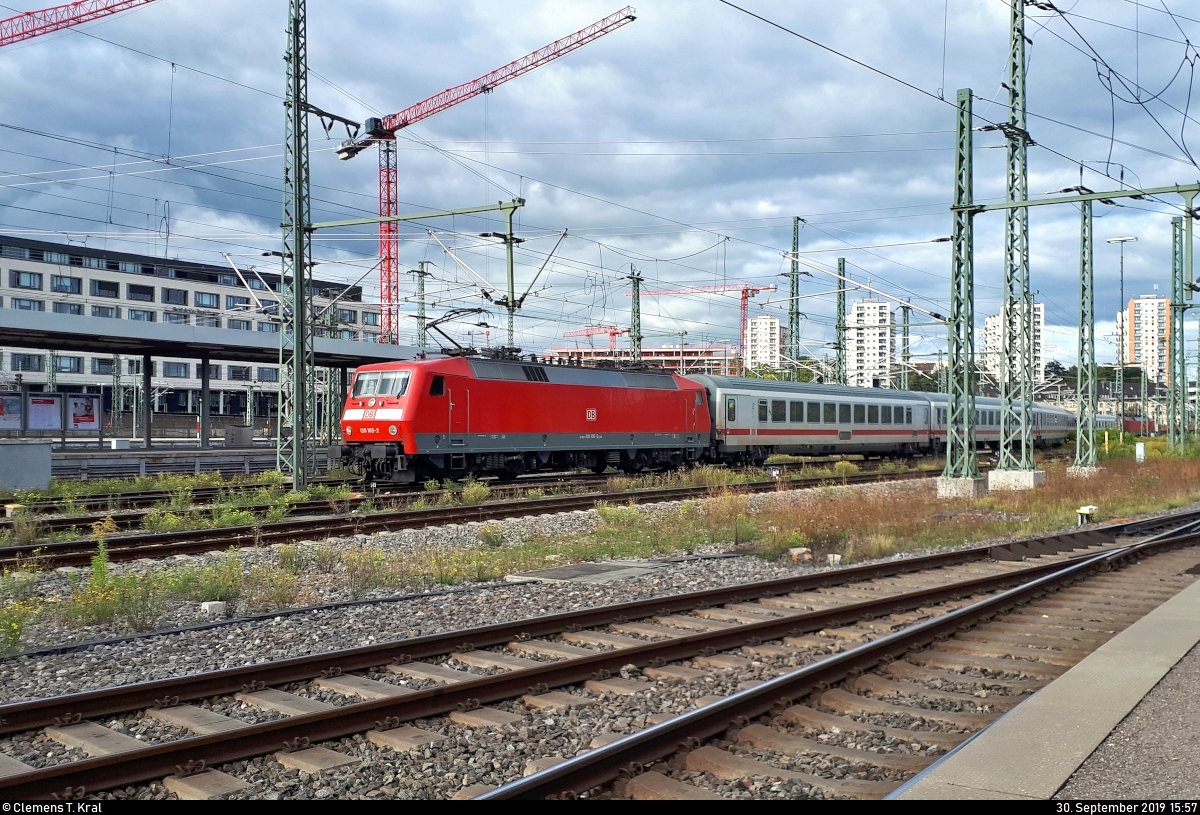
[
  {"x": 270, "y": 589},
  {"x": 449, "y": 485},
  {"x": 328, "y": 492},
  {"x": 104, "y": 527},
  {"x": 775, "y": 544},
  {"x": 222, "y": 517},
  {"x": 535, "y": 494},
  {"x": 289, "y": 558},
  {"x": 475, "y": 492},
  {"x": 18, "y": 585},
  {"x": 276, "y": 513},
  {"x": 326, "y": 558},
  {"x": 418, "y": 504},
  {"x": 180, "y": 501},
  {"x": 14, "y": 616},
  {"x": 69, "y": 508},
  {"x": 26, "y": 528},
  {"x": 366, "y": 507},
  {"x": 366, "y": 569},
  {"x": 845, "y": 468},
  {"x": 157, "y": 520},
  {"x": 432, "y": 485},
  {"x": 492, "y": 535},
  {"x": 447, "y": 499}
]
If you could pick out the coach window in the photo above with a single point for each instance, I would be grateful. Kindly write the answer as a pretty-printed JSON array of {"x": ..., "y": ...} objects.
[
  {"x": 796, "y": 412},
  {"x": 438, "y": 386},
  {"x": 885, "y": 414},
  {"x": 762, "y": 410},
  {"x": 860, "y": 414},
  {"x": 872, "y": 414},
  {"x": 899, "y": 410},
  {"x": 778, "y": 410},
  {"x": 814, "y": 412},
  {"x": 908, "y": 415},
  {"x": 731, "y": 410},
  {"x": 830, "y": 413},
  {"x": 843, "y": 414}
]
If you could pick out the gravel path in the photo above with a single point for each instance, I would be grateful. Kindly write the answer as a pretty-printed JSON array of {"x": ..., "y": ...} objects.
[{"x": 1154, "y": 752}]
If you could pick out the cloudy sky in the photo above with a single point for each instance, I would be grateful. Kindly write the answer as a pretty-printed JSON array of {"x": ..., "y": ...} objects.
[{"x": 682, "y": 144}]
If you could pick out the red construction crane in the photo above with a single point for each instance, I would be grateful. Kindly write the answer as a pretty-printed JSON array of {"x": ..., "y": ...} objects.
[
  {"x": 382, "y": 132},
  {"x": 746, "y": 291},
  {"x": 32, "y": 24},
  {"x": 593, "y": 330}
]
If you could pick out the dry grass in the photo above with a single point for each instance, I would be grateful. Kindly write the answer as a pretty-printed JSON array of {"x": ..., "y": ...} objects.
[{"x": 860, "y": 527}]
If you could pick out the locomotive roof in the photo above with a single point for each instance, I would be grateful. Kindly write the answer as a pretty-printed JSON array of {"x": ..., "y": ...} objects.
[
  {"x": 518, "y": 371},
  {"x": 807, "y": 388}
]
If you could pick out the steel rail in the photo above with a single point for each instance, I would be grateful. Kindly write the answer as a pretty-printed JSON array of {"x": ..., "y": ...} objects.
[
  {"x": 630, "y": 754},
  {"x": 17, "y": 716},
  {"x": 155, "y": 762},
  {"x": 165, "y": 544}
]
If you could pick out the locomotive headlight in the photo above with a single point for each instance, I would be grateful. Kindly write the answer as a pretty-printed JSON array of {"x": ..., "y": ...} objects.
[
  {"x": 392, "y": 429},
  {"x": 349, "y": 431}
]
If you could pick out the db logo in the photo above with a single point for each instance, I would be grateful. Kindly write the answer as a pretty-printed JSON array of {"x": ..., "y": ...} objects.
[
  {"x": 368, "y": 414},
  {"x": 591, "y": 414}
]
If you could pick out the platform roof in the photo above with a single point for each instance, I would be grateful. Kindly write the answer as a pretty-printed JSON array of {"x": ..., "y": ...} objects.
[{"x": 64, "y": 332}]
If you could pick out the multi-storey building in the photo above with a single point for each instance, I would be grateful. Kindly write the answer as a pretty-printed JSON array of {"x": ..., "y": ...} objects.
[
  {"x": 871, "y": 347},
  {"x": 763, "y": 343},
  {"x": 715, "y": 360},
  {"x": 66, "y": 281},
  {"x": 993, "y": 344},
  {"x": 1146, "y": 323}
]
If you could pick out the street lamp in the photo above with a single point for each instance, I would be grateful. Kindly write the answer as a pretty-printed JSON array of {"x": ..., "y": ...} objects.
[{"x": 1121, "y": 339}]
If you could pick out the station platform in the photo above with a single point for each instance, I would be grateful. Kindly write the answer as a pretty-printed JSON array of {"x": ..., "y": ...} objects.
[
  {"x": 93, "y": 464},
  {"x": 1094, "y": 732}
]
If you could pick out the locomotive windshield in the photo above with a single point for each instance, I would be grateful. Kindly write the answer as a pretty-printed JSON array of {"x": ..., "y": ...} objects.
[{"x": 384, "y": 383}]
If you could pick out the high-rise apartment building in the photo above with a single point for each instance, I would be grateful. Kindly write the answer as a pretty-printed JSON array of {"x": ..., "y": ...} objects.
[
  {"x": 1146, "y": 322},
  {"x": 993, "y": 344},
  {"x": 763, "y": 343},
  {"x": 871, "y": 346}
]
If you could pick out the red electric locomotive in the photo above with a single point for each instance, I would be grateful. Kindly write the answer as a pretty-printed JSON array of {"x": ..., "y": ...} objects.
[{"x": 453, "y": 417}]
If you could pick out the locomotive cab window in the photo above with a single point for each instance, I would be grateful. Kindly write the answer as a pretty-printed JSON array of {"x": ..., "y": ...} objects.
[
  {"x": 796, "y": 412},
  {"x": 762, "y": 410},
  {"x": 843, "y": 414},
  {"x": 731, "y": 410},
  {"x": 384, "y": 383},
  {"x": 885, "y": 414},
  {"x": 814, "y": 412},
  {"x": 860, "y": 414},
  {"x": 438, "y": 386},
  {"x": 830, "y": 413},
  {"x": 778, "y": 410},
  {"x": 872, "y": 414}
]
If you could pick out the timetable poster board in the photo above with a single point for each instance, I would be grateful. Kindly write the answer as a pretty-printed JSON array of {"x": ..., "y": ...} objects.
[
  {"x": 10, "y": 411},
  {"x": 45, "y": 412},
  {"x": 83, "y": 412}
]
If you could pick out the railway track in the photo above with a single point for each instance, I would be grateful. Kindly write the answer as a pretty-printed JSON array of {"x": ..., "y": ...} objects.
[
  {"x": 165, "y": 544},
  {"x": 859, "y": 723},
  {"x": 473, "y": 678}
]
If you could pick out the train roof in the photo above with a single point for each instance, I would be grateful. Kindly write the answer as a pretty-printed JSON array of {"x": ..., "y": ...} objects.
[
  {"x": 806, "y": 388},
  {"x": 516, "y": 370}
]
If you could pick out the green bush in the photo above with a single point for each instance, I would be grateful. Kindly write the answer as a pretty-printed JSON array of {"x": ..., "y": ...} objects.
[{"x": 432, "y": 485}]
